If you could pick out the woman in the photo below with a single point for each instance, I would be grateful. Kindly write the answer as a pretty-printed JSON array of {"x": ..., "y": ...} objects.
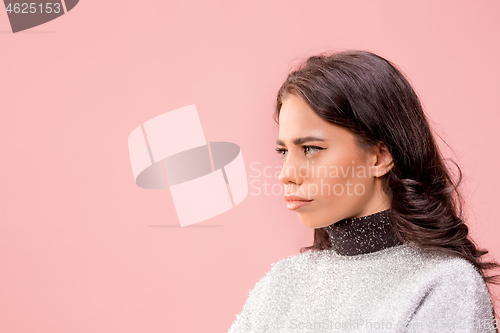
[{"x": 391, "y": 251}]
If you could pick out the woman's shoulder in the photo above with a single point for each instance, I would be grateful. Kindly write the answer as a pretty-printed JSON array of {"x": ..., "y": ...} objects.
[
  {"x": 294, "y": 262},
  {"x": 415, "y": 260},
  {"x": 302, "y": 261},
  {"x": 292, "y": 267},
  {"x": 452, "y": 268},
  {"x": 283, "y": 273},
  {"x": 439, "y": 271},
  {"x": 402, "y": 257},
  {"x": 445, "y": 263}
]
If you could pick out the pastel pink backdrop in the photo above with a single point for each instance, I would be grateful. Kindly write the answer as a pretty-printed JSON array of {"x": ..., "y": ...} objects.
[{"x": 83, "y": 249}]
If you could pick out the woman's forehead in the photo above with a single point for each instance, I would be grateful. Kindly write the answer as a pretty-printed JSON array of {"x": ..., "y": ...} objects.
[{"x": 295, "y": 112}]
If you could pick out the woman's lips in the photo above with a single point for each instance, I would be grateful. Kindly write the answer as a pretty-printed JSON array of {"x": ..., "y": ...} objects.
[{"x": 296, "y": 204}]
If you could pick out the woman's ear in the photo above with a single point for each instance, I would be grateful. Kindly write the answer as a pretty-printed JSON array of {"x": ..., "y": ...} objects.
[{"x": 382, "y": 158}]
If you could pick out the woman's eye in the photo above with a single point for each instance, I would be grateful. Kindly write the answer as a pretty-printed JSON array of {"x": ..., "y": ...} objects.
[
  {"x": 307, "y": 149},
  {"x": 310, "y": 147},
  {"x": 281, "y": 151},
  {"x": 314, "y": 148}
]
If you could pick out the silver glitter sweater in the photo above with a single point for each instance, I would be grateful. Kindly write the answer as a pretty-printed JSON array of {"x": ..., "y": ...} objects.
[{"x": 368, "y": 282}]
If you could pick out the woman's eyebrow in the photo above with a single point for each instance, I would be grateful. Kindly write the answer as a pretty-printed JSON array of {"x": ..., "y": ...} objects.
[{"x": 299, "y": 141}]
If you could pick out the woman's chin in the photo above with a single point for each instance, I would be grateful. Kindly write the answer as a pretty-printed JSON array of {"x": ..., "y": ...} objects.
[{"x": 308, "y": 224}]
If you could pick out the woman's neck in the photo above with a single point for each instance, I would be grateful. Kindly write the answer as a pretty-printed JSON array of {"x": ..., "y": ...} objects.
[{"x": 363, "y": 234}]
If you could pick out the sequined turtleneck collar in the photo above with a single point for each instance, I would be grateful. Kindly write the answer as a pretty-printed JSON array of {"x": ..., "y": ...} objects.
[{"x": 363, "y": 234}]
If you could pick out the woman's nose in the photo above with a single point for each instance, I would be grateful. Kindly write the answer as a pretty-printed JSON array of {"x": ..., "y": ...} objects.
[{"x": 289, "y": 173}]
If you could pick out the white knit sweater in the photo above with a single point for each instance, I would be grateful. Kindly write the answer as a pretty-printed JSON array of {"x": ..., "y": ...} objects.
[{"x": 397, "y": 289}]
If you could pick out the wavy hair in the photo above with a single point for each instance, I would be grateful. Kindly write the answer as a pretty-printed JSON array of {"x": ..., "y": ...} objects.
[{"x": 369, "y": 95}]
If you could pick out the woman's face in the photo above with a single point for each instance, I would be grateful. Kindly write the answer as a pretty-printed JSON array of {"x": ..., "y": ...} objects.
[{"x": 323, "y": 163}]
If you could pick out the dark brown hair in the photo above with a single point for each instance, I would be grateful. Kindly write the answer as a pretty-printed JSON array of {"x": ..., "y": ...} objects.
[{"x": 370, "y": 96}]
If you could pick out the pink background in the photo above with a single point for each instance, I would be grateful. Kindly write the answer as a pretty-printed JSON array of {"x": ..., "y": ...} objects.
[{"x": 83, "y": 249}]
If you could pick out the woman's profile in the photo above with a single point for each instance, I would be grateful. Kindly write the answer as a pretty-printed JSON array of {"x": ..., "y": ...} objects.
[{"x": 391, "y": 250}]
